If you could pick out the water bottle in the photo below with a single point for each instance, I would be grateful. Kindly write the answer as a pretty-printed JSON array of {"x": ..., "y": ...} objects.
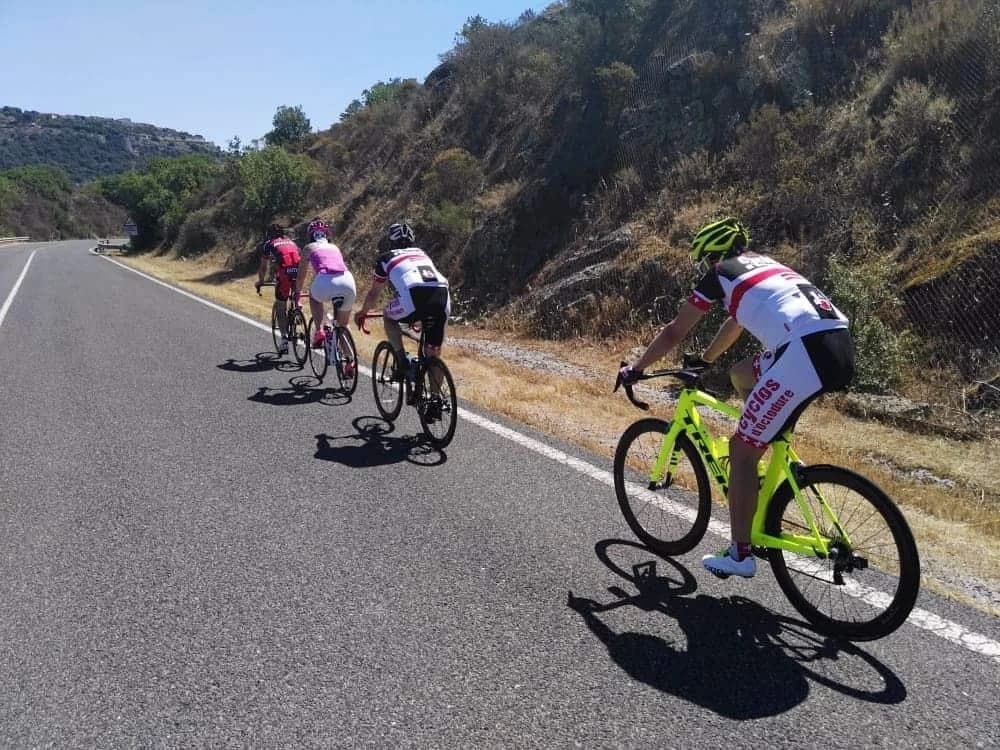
[{"x": 411, "y": 367}]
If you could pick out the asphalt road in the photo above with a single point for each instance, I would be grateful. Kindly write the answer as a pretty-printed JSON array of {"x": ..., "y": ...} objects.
[{"x": 194, "y": 552}]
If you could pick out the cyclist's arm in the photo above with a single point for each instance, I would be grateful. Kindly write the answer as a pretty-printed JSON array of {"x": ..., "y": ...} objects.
[
  {"x": 729, "y": 333},
  {"x": 261, "y": 269},
  {"x": 300, "y": 277},
  {"x": 372, "y": 297},
  {"x": 673, "y": 333}
]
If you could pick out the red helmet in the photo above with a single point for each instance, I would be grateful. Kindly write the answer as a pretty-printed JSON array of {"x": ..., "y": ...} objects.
[{"x": 316, "y": 229}]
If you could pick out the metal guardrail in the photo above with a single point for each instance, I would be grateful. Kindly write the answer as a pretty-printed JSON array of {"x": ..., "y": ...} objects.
[{"x": 13, "y": 239}]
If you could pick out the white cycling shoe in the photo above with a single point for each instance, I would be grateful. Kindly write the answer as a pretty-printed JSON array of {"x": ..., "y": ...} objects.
[{"x": 725, "y": 564}]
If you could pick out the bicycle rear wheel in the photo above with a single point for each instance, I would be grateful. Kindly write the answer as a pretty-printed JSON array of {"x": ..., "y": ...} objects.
[
  {"x": 276, "y": 331},
  {"x": 318, "y": 359},
  {"x": 869, "y": 584},
  {"x": 387, "y": 388},
  {"x": 438, "y": 411},
  {"x": 347, "y": 360},
  {"x": 297, "y": 331},
  {"x": 669, "y": 514}
]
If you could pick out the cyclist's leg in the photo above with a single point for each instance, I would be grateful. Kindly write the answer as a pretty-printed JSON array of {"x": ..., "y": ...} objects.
[
  {"x": 282, "y": 289},
  {"x": 785, "y": 379},
  {"x": 400, "y": 309},
  {"x": 347, "y": 291},
  {"x": 437, "y": 309},
  {"x": 433, "y": 308},
  {"x": 319, "y": 290},
  {"x": 343, "y": 292}
]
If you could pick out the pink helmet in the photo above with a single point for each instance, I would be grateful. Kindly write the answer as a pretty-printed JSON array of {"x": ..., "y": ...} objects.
[{"x": 317, "y": 228}]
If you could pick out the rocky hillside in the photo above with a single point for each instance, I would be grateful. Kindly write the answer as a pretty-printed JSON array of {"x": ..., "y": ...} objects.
[
  {"x": 88, "y": 147},
  {"x": 557, "y": 166}
]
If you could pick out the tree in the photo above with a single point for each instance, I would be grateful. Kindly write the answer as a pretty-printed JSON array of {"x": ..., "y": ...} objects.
[
  {"x": 159, "y": 197},
  {"x": 273, "y": 182},
  {"x": 290, "y": 125},
  {"x": 352, "y": 109}
]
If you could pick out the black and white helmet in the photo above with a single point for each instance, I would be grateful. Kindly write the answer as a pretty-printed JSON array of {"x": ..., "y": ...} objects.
[{"x": 401, "y": 235}]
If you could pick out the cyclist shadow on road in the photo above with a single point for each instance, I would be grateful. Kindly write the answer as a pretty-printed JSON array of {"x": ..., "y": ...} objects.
[
  {"x": 302, "y": 390},
  {"x": 738, "y": 658},
  {"x": 262, "y": 362},
  {"x": 373, "y": 445}
]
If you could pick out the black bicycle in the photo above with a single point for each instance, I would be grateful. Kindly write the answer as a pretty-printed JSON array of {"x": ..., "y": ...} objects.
[
  {"x": 296, "y": 330},
  {"x": 338, "y": 349},
  {"x": 426, "y": 382}
]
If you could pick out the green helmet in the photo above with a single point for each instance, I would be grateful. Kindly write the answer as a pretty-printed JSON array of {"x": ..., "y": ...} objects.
[{"x": 718, "y": 238}]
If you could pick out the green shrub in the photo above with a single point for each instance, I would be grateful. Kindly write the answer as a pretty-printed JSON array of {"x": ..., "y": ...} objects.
[
  {"x": 884, "y": 346},
  {"x": 615, "y": 84},
  {"x": 290, "y": 125},
  {"x": 273, "y": 182},
  {"x": 451, "y": 219},
  {"x": 199, "y": 233},
  {"x": 158, "y": 197},
  {"x": 455, "y": 176}
]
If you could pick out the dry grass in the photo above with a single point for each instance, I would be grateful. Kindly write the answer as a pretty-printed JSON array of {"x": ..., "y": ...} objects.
[
  {"x": 957, "y": 528},
  {"x": 497, "y": 196}
]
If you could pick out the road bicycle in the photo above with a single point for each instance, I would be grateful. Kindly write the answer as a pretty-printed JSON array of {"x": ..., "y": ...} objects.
[
  {"x": 295, "y": 331},
  {"x": 338, "y": 350},
  {"x": 835, "y": 541},
  {"x": 426, "y": 382}
]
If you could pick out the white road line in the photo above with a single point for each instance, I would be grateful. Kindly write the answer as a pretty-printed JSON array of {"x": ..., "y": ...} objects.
[
  {"x": 950, "y": 631},
  {"x": 17, "y": 285}
]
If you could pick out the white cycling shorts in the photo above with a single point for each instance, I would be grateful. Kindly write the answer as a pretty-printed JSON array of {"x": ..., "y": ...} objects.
[
  {"x": 334, "y": 286},
  {"x": 784, "y": 383}
]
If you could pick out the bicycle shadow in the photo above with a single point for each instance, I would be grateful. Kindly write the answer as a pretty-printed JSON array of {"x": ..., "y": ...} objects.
[
  {"x": 262, "y": 362},
  {"x": 373, "y": 445},
  {"x": 738, "y": 659},
  {"x": 301, "y": 390}
]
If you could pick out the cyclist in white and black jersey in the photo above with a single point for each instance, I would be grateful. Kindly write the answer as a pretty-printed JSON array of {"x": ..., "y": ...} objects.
[
  {"x": 421, "y": 292},
  {"x": 809, "y": 351}
]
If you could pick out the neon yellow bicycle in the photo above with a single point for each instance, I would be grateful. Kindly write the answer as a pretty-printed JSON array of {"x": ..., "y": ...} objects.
[{"x": 840, "y": 549}]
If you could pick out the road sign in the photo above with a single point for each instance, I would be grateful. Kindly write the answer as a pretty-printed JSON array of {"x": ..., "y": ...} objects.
[{"x": 130, "y": 228}]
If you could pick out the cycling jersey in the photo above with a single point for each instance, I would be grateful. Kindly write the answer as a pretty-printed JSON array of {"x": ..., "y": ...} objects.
[
  {"x": 284, "y": 253},
  {"x": 770, "y": 300},
  {"x": 407, "y": 267},
  {"x": 325, "y": 257},
  {"x": 421, "y": 290}
]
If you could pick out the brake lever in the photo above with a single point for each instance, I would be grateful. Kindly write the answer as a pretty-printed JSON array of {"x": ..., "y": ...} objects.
[{"x": 628, "y": 390}]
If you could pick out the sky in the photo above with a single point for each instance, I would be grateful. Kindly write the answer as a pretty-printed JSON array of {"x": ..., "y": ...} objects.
[{"x": 220, "y": 68}]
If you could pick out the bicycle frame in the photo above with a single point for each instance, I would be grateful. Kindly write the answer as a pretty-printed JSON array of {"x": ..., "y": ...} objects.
[{"x": 780, "y": 468}]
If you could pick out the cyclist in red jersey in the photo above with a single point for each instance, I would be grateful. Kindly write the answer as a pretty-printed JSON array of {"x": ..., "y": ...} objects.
[
  {"x": 284, "y": 253},
  {"x": 809, "y": 351}
]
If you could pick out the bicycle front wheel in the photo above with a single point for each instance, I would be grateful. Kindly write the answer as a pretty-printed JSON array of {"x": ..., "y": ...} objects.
[
  {"x": 347, "y": 361},
  {"x": 670, "y": 512},
  {"x": 867, "y": 586},
  {"x": 437, "y": 406},
  {"x": 387, "y": 388},
  {"x": 297, "y": 332},
  {"x": 276, "y": 331},
  {"x": 318, "y": 360}
]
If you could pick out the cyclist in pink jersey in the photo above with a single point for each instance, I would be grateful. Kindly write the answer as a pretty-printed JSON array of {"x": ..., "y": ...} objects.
[
  {"x": 332, "y": 279},
  {"x": 809, "y": 351}
]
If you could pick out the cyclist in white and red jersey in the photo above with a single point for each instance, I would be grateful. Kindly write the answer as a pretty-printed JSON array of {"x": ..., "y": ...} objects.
[
  {"x": 809, "y": 351},
  {"x": 284, "y": 253},
  {"x": 332, "y": 282},
  {"x": 421, "y": 292}
]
